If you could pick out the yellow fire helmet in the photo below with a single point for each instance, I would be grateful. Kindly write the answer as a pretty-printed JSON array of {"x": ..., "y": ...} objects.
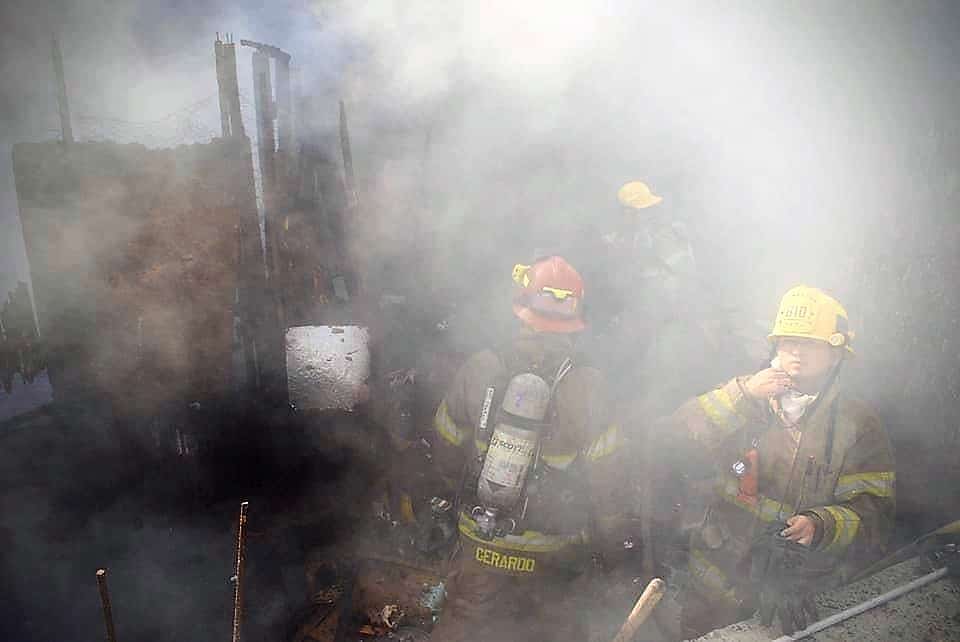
[
  {"x": 637, "y": 194},
  {"x": 812, "y": 313}
]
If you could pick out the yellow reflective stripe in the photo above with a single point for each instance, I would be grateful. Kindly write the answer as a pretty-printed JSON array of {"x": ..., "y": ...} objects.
[
  {"x": 766, "y": 509},
  {"x": 444, "y": 424},
  {"x": 720, "y": 408},
  {"x": 713, "y": 414},
  {"x": 846, "y": 524},
  {"x": 481, "y": 446},
  {"x": 528, "y": 541},
  {"x": 711, "y": 577},
  {"x": 605, "y": 444},
  {"x": 560, "y": 462},
  {"x": 721, "y": 396},
  {"x": 879, "y": 484}
]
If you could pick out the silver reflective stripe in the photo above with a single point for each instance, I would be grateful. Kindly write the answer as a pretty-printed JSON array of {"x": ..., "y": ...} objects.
[{"x": 485, "y": 411}]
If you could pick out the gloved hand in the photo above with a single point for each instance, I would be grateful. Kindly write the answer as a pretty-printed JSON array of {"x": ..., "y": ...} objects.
[
  {"x": 795, "y": 610},
  {"x": 778, "y": 567}
]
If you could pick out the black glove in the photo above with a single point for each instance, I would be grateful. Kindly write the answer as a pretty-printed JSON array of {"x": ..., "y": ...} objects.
[
  {"x": 778, "y": 567},
  {"x": 795, "y": 611}
]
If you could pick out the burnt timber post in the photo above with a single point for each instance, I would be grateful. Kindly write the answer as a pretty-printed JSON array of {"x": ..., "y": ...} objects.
[
  {"x": 231, "y": 121},
  {"x": 218, "y": 54},
  {"x": 270, "y": 175}
]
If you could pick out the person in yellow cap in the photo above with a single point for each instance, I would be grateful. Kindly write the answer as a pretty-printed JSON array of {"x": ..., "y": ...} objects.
[
  {"x": 653, "y": 317},
  {"x": 659, "y": 240},
  {"x": 805, "y": 471}
]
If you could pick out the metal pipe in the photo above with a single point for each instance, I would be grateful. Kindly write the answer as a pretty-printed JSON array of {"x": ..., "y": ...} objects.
[
  {"x": 239, "y": 560},
  {"x": 105, "y": 601},
  {"x": 854, "y": 611}
]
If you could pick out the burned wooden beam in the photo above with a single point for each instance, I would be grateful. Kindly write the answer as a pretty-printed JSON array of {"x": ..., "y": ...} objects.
[{"x": 231, "y": 120}]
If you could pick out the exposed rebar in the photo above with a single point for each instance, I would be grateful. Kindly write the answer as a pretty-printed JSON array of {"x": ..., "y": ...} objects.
[
  {"x": 239, "y": 560},
  {"x": 105, "y": 601}
]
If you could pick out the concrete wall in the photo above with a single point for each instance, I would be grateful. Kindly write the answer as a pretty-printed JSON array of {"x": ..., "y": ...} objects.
[{"x": 134, "y": 255}]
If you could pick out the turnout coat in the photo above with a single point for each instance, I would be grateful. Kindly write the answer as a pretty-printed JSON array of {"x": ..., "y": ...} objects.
[{"x": 835, "y": 465}]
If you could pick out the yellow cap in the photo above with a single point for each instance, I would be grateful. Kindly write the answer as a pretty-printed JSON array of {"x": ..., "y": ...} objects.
[
  {"x": 637, "y": 194},
  {"x": 811, "y": 313}
]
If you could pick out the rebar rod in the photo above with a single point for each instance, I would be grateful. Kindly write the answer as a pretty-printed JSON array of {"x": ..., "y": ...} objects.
[
  {"x": 239, "y": 560},
  {"x": 105, "y": 601}
]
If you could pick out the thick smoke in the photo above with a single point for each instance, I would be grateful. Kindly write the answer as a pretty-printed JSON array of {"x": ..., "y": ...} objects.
[
  {"x": 812, "y": 142},
  {"x": 776, "y": 126}
]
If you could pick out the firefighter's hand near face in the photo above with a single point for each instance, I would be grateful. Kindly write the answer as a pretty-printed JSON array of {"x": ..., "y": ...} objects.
[
  {"x": 800, "y": 529},
  {"x": 767, "y": 384}
]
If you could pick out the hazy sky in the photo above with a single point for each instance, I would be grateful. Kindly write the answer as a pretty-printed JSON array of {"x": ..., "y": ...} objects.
[{"x": 751, "y": 116}]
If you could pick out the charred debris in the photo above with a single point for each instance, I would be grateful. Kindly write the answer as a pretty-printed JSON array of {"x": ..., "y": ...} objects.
[{"x": 210, "y": 338}]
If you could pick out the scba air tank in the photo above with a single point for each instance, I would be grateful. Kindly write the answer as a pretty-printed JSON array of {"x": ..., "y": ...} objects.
[{"x": 513, "y": 446}]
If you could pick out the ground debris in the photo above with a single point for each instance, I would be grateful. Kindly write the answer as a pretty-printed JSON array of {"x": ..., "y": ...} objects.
[{"x": 389, "y": 616}]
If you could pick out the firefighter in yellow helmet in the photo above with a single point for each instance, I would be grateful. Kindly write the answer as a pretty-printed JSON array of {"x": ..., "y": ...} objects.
[
  {"x": 806, "y": 475},
  {"x": 523, "y": 442}
]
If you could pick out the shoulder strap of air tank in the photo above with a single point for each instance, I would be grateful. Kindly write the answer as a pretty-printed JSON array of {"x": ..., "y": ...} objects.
[
  {"x": 831, "y": 430},
  {"x": 565, "y": 367},
  {"x": 493, "y": 396}
]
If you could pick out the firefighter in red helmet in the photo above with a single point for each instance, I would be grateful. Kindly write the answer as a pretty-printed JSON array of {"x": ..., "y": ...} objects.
[{"x": 522, "y": 441}]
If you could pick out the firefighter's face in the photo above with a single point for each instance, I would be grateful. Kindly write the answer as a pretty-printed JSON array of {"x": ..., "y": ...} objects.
[{"x": 806, "y": 359}]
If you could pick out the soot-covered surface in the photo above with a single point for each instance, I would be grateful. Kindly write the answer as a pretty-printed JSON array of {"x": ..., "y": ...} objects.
[{"x": 73, "y": 500}]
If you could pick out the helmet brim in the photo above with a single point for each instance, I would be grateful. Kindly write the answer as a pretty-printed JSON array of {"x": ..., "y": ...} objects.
[
  {"x": 543, "y": 323},
  {"x": 773, "y": 337},
  {"x": 644, "y": 203}
]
